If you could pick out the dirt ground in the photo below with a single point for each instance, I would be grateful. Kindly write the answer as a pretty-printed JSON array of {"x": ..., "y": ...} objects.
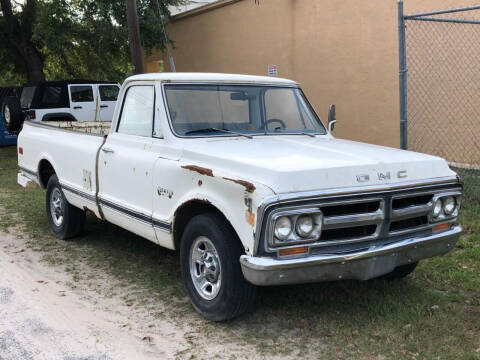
[{"x": 41, "y": 317}]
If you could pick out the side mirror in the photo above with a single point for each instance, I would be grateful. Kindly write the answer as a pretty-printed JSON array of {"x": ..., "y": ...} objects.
[{"x": 332, "y": 118}]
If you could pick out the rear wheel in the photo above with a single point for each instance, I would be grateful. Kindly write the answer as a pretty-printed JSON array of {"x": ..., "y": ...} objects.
[
  {"x": 401, "y": 271},
  {"x": 211, "y": 271},
  {"x": 66, "y": 221}
]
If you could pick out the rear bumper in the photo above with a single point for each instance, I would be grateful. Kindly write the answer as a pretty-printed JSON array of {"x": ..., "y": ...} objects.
[{"x": 364, "y": 265}]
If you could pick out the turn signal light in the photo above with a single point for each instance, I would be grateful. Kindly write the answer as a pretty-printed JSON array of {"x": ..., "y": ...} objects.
[
  {"x": 441, "y": 227},
  {"x": 293, "y": 251}
]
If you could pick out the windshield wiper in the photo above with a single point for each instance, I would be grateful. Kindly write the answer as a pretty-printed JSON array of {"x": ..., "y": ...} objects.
[
  {"x": 293, "y": 133},
  {"x": 211, "y": 129},
  {"x": 306, "y": 133}
]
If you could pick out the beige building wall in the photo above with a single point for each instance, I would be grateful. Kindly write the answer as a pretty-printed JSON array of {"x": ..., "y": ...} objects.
[{"x": 342, "y": 51}]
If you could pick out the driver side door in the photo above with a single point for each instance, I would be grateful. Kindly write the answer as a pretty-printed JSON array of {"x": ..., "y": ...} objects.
[{"x": 126, "y": 163}]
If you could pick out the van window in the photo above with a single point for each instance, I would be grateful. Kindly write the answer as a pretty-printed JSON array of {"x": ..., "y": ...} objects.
[{"x": 137, "y": 112}]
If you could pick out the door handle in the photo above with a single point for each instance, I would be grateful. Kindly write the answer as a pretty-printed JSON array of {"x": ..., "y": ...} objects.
[
  {"x": 103, "y": 106},
  {"x": 77, "y": 107},
  {"x": 108, "y": 150}
]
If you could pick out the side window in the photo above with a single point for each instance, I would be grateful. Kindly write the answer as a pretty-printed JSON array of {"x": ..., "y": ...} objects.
[
  {"x": 137, "y": 111},
  {"x": 81, "y": 93},
  {"x": 108, "y": 92},
  {"x": 51, "y": 95}
]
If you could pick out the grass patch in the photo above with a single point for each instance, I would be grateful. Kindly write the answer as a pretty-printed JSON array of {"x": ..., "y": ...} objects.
[{"x": 434, "y": 313}]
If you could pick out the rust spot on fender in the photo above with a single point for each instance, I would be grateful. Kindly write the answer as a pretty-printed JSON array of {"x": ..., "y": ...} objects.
[
  {"x": 248, "y": 185},
  {"x": 199, "y": 169}
]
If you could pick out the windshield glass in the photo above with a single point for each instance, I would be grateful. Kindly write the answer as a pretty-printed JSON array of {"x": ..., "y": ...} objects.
[{"x": 214, "y": 110}]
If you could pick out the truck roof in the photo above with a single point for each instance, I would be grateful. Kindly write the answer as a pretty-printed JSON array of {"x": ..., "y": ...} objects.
[
  {"x": 67, "y": 82},
  {"x": 213, "y": 77}
]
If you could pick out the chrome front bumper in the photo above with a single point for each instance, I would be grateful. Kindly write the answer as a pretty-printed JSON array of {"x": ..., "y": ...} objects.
[{"x": 364, "y": 265}]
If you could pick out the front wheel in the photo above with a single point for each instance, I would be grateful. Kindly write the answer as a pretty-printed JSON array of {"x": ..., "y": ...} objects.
[
  {"x": 211, "y": 271},
  {"x": 66, "y": 221}
]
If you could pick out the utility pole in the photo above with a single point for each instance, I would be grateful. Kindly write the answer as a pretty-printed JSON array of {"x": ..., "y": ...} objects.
[{"x": 136, "y": 52}]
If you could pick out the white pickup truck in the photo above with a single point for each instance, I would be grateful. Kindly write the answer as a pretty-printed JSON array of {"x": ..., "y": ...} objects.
[{"x": 240, "y": 175}]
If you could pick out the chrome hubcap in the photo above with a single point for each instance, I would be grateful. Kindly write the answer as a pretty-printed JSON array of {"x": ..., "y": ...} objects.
[
  {"x": 205, "y": 268},
  {"x": 6, "y": 114},
  {"x": 57, "y": 206}
]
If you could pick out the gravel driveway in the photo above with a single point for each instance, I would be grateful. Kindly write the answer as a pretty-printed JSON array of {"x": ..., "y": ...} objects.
[{"x": 40, "y": 318}]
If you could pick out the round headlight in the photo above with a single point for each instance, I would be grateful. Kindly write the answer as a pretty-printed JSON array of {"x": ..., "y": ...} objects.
[
  {"x": 449, "y": 205},
  {"x": 283, "y": 228},
  {"x": 304, "y": 226},
  {"x": 437, "y": 208}
]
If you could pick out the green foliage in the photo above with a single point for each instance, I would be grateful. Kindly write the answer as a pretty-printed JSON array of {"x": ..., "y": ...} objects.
[{"x": 84, "y": 38}]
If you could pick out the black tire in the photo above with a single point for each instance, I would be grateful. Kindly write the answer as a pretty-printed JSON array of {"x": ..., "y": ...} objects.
[
  {"x": 72, "y": 218},
  {"x": 12, "y": 114},
  {"x": 401, "y": 271},
  {"x": 235, "y": 295}
]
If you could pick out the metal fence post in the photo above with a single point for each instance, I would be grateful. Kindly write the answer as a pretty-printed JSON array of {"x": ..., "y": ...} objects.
[{"x": 402, "y": 76}]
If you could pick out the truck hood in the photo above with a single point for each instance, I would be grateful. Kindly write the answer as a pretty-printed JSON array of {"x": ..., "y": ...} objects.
[{"x": 300, "y": 163}]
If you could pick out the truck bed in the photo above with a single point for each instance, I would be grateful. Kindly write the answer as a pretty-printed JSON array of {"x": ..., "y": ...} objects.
[
  {"x": 89, "y": 127},
  {"x": 70, "y": 148}
]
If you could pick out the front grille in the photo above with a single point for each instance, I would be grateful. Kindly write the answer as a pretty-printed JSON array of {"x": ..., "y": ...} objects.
[
  {"x": 355, "y": 208},
  {"x": 351, "y": 220},
  {"x": 415, "y": 200},
  {"x": 407, "y": 224},
  {"x": 348, "y": 233},
  {"x": 362, "y": 220},
  {"x": 410, "y": 212}
]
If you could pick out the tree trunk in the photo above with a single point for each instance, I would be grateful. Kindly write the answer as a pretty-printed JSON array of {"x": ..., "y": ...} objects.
[
  {"x": 33, "y": 64},
  {"x": 136, "y": 52}
]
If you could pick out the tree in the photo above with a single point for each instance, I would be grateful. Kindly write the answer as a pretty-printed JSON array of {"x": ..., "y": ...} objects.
[
  {"x": 17, "y": 36},
  {"x": 136, "y": 52},
  {"x": 61, "y": 39}
]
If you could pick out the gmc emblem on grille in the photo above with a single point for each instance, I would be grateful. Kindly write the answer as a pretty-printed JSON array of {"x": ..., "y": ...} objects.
[
  {"x": 384, "y": 176},
  {"x": 402, "y": 174}
]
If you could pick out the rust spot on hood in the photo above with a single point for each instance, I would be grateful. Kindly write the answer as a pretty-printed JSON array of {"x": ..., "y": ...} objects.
[
  {"x": 248, "y": 185},
  {"x": 199, "y": 169}
]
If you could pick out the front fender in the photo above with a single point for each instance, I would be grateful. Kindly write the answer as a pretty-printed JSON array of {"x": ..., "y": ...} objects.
[{"x": 236, "y": 198}]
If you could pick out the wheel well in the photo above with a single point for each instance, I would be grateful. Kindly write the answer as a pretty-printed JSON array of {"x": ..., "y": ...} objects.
[
  {"x": 45, "y": 170},
  {"x": 187, "y": 211}
]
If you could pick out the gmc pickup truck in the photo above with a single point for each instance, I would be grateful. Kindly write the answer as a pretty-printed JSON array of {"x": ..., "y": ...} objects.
[{"x": 239, "y": 174}]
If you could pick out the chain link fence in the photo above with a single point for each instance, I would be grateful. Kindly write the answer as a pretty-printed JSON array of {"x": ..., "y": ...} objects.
[{"x": 443, "y": 85}]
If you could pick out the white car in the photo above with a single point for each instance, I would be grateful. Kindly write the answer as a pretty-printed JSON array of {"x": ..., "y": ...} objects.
[
  {"x": 68, "y": 100},
  {"x": 239, "y": 174}
]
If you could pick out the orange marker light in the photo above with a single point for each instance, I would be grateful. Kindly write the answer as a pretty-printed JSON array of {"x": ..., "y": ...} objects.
[
  {"x": 251, "y": 219},
  {"x": 441, "y": 227},
  {"x": 293, "y": 251}
]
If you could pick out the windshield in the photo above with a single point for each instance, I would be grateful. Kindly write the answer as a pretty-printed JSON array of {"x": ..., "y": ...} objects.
[{"x": 226, "y": 110}]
